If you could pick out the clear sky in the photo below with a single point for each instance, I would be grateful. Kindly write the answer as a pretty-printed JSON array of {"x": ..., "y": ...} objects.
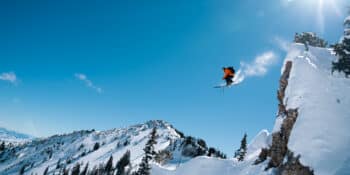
[{"x": 71, "y": 65}]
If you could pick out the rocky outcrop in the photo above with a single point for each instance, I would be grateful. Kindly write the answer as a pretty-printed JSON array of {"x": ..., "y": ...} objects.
[
  {"x": 293, "y": 166},
  {"x": 278, "y": 152},
  {"x": 283, "y": 86},
  {"x": 280, "y": 139}
]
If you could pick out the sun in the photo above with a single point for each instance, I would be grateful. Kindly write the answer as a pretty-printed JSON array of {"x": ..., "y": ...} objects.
[{"x": 321, "y": 8}]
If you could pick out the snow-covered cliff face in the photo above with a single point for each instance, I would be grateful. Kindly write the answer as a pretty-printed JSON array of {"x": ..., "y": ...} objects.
[
  {"x": 321, "y": 134},
  {"x": 79, "y": 147},
  {"x": 281, "y": 158},
  {"x": 311, "y": 133}
]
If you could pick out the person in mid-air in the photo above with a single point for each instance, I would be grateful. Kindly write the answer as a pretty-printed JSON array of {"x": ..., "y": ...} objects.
[{"x": 229, "y": 73}]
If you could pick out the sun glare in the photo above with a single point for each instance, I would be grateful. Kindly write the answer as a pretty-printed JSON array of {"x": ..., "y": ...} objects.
[
  {"x": 321, "y": 8},
  {"x": 329, "y": 5}
]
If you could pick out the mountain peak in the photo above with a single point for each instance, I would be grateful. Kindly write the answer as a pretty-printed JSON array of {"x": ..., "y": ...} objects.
[
  {"x": 157, "y": 124},
  {"x": 93, "y": 147}
]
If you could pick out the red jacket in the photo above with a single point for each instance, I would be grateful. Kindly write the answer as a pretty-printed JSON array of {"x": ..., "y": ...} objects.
[{"x": 228, "y": 73}]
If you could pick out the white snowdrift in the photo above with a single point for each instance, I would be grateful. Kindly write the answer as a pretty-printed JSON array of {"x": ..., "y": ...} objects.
[
  {"x": 262, "y": 140},
  {"x": 213, "y": 166}
]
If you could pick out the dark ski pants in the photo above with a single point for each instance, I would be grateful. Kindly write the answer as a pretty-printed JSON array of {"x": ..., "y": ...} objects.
[{"x": 229, "y": 80}]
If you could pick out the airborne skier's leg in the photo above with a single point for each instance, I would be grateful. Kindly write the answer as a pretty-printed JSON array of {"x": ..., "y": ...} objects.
[{"x": 229, "y": 80}]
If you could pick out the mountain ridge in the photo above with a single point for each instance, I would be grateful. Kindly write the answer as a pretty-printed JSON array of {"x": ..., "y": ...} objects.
[
  {"x": 13, "y": 137},
  {"x": 95, "y": 147}
]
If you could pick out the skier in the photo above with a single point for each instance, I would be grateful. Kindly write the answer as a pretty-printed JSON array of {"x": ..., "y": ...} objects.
[{"x": 229, "y": 73}]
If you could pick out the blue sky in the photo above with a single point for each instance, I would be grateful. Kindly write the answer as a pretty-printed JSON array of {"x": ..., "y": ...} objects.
[{"x": 68, "y": 66}]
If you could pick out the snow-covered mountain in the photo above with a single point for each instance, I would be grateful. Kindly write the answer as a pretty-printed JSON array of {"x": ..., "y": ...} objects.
[
  {"x": 311, "y": 132},
  {"x": 13, "y": 137},
  {"x": 96, "y": 147}
]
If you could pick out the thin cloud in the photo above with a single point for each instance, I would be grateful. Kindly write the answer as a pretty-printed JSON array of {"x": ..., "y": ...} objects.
[
  {"x": 282, "y": 43},
  {"x": 88, "y": 83},
  {"x": 9, "y": 76},
  {"x": 259, "y": 67}
]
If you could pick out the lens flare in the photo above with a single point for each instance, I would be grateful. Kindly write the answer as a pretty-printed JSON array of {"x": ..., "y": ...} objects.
[{"x": 321, "y": 8}]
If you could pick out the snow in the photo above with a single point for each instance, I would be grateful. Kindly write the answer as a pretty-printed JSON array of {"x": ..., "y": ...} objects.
[
  {"x": 278, "y": 124},
  {"x": 321, "y": 132},
  {"x": 320, "y": 135},
  {"x": 347, "y": 20},
  {"x": 13, "y": 137},
  {"x": 239, "y": 77},
  {"x": 77, "y": 147},
  {"x": 262, "y": 140},
  {"x": 214, "y": 166},
  {"x": 72, "y": 146}
]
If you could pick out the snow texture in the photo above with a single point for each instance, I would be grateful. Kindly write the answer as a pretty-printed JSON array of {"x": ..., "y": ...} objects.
[
  {"x": 347, "y": 20},
  {"x": 262, "y": 140},
  {"x": 213, "y": 166},
  {"x": 13, "y": 137},
  {"x": 77, "y": 147},
  {"x": 321, "y": 132}
]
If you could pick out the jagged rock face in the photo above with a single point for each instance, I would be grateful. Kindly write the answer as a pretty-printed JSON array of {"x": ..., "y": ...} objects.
[
  {"x": 192, "y": 147},
  {"x": 279, "y": 148},
  {"x": 293, "y": 166},
  {"x": 282, "y": 88},
  {"x": 189, "y": 147},
  {"x": 280, "y": 139}
]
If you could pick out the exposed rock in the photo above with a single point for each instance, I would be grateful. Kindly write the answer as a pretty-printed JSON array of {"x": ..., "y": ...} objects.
[
  {"x": 262, "y": 156},
  {"x": 163, "y": 156},
  {"x": 279, "y": 151},
  {"x": 294, "y": 167},
  {"x": 283, "y": 85},
  {"x": 192, "y": 147},
  {"x": 280, "y": 139}
]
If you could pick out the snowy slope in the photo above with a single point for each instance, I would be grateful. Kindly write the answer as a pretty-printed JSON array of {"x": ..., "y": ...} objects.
[
  {"x": 78, "y": 147},
  {"x": 13, "y": 137},
  {"x": 262, "y": 140},
  {"x": 70, "y": 149},
  {"x": 321, "y": 134},
  {"x": 214, "y": 166}
]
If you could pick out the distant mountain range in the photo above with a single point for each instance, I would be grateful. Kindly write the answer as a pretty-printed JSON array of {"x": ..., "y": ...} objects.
[
  {"x": 9, "y": 136},
  {"x": 96, "y": 147}
]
